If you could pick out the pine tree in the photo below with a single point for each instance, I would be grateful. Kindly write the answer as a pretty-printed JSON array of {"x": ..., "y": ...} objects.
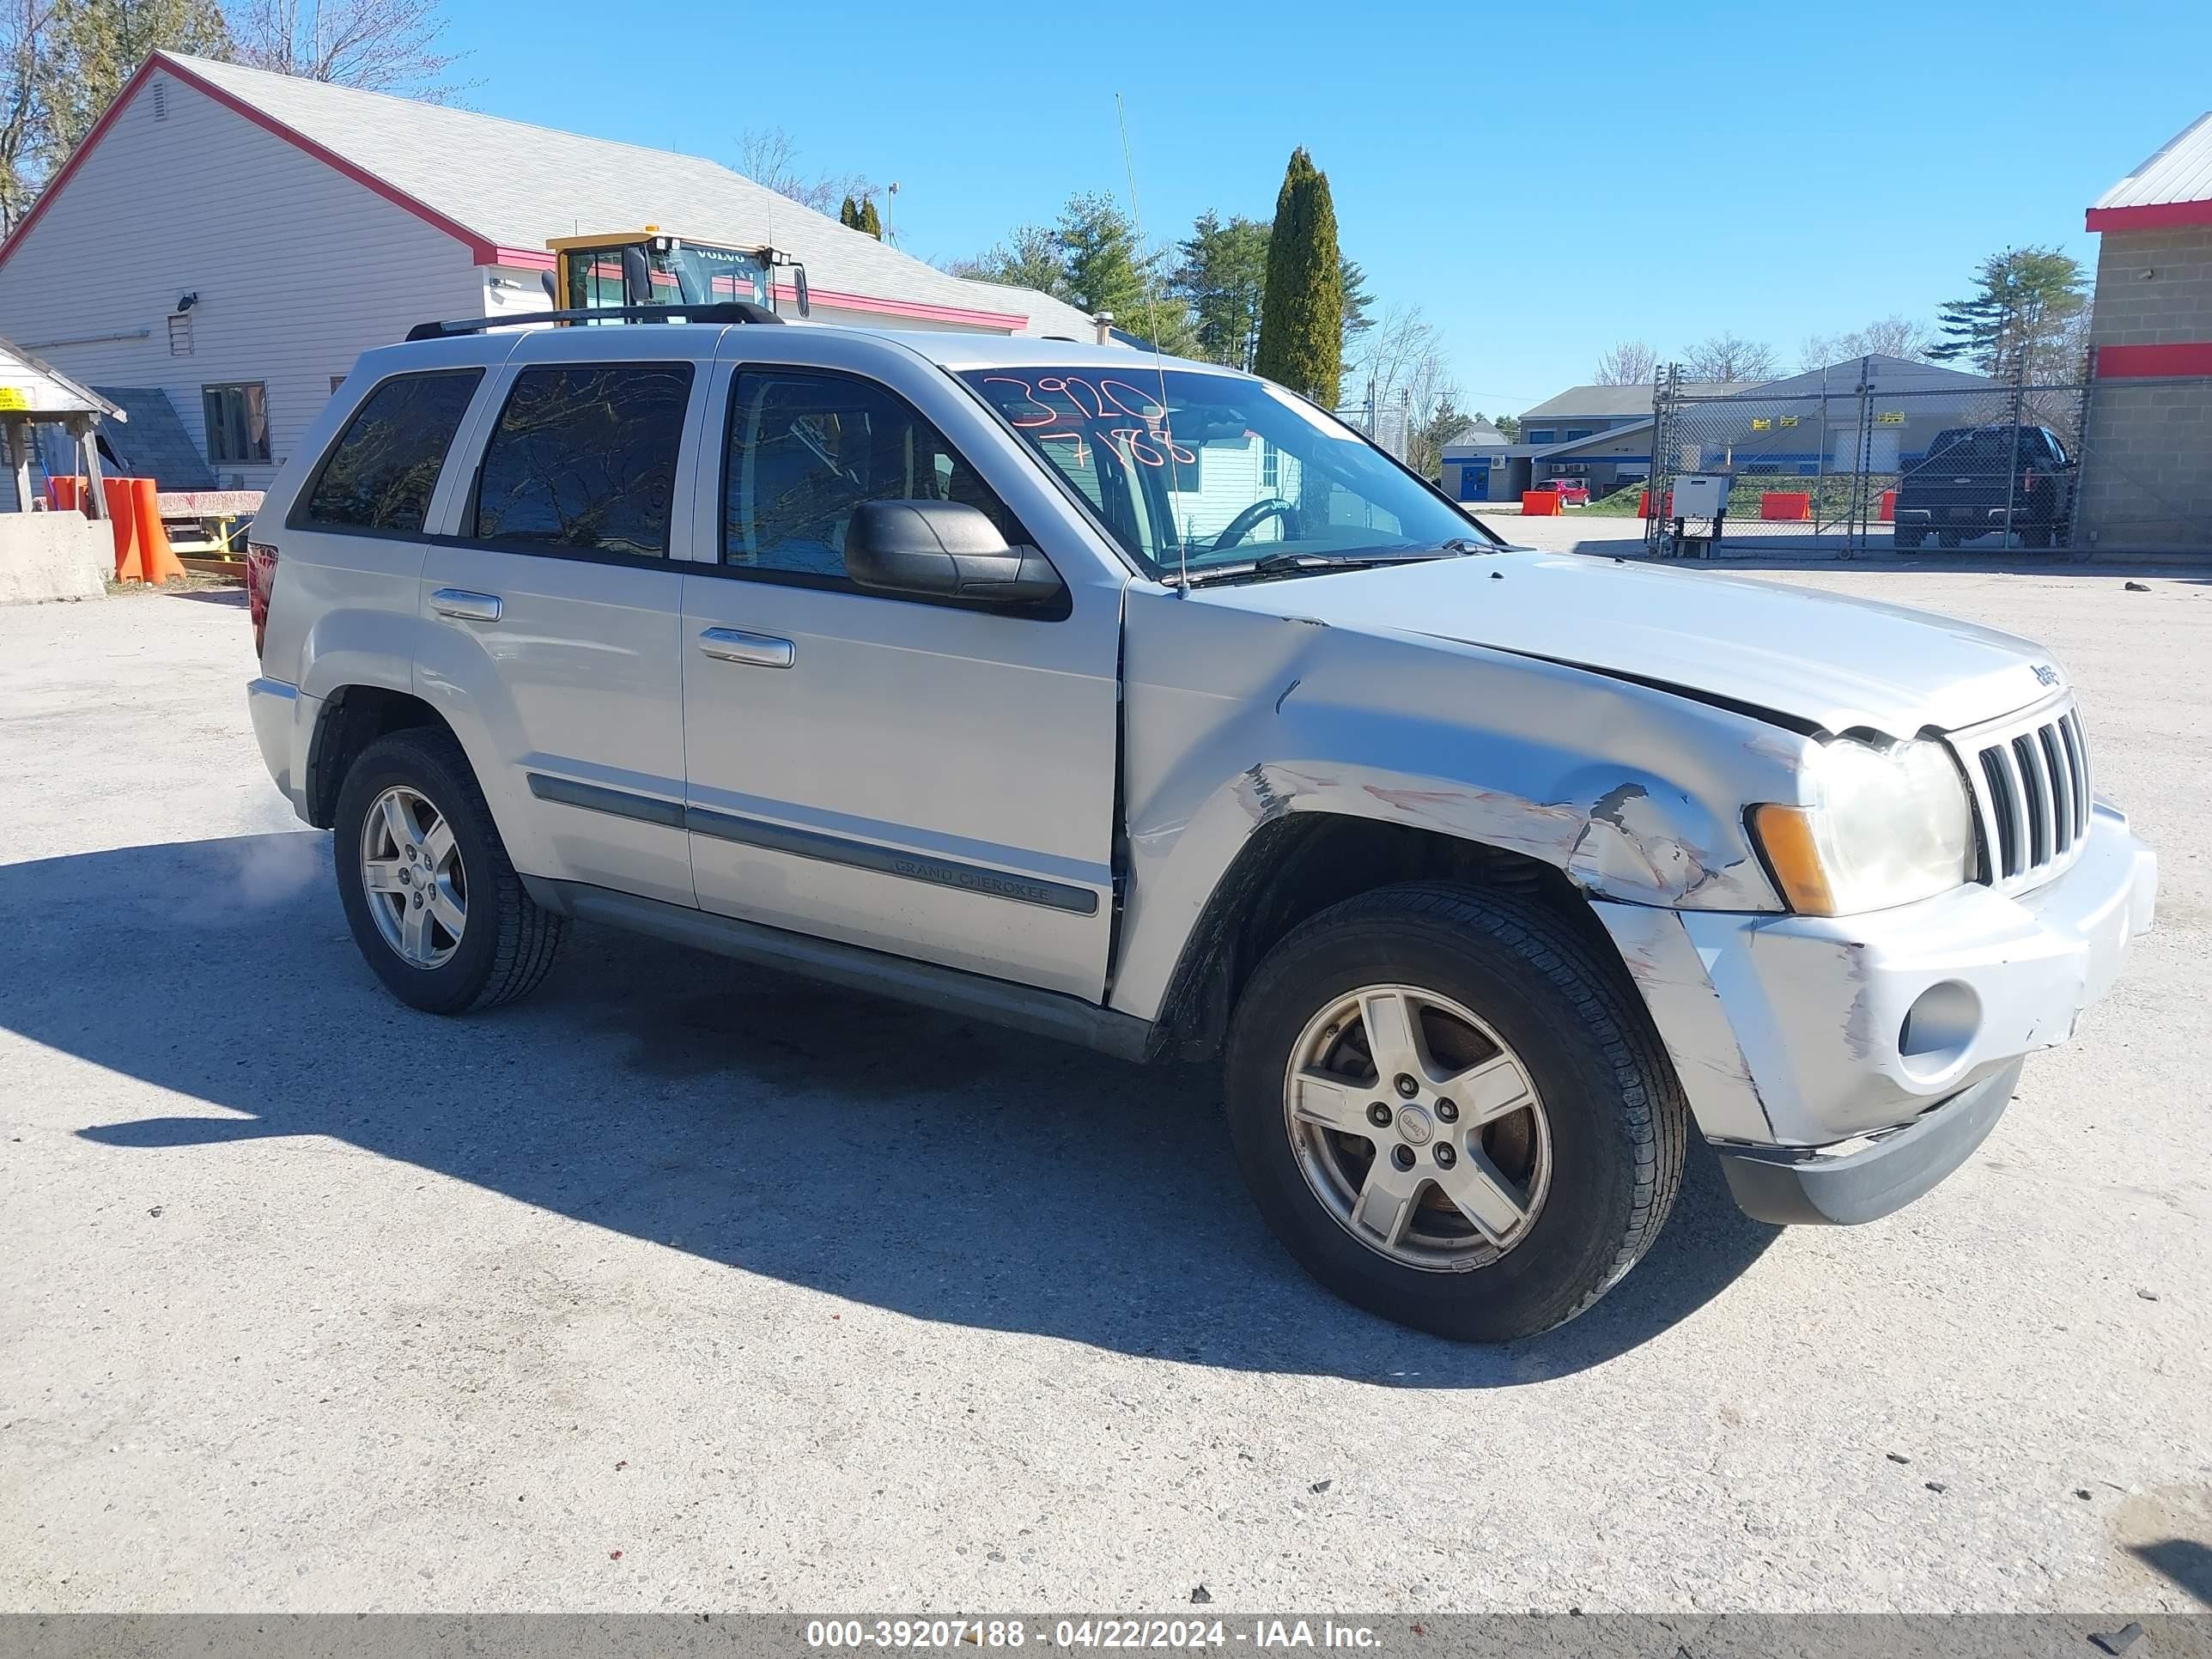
[
  {"x": 1106, "y": 269},
  {"x": 871, "y": 221},
  {"x": 849, "y": 214},
  {"x": 1302, "y": 320},
  {"x": 96, "y": 44},
  {"x": 2024, "y": 320},
  {"x": 1221, "y": 279}
]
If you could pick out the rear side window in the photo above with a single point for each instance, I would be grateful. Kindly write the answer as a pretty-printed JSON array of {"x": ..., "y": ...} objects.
[
  {"x": 380, "y": 475},
  {"x": 584, "y": 459}
]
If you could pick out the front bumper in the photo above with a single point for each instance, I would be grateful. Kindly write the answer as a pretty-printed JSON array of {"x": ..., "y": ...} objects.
[
  {"x": 1859, "y": 1181},
  {"x": 1888, "y": 1037}
]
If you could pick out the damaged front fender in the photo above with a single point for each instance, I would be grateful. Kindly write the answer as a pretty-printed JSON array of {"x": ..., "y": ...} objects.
[{"x": 1235, "y": 718}]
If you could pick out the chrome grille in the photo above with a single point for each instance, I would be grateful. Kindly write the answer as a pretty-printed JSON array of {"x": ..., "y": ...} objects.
[{"x": 2030, "y": 778}]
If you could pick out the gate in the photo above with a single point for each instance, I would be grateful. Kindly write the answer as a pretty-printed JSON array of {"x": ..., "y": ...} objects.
[{"x": 1827, "y": 461}]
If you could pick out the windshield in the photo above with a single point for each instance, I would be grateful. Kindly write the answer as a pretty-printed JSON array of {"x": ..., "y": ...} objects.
[
  {"x": 684, "y": 273},
  {"x": 707, "y": 274},
  {"x": 1227, "y": 471}
]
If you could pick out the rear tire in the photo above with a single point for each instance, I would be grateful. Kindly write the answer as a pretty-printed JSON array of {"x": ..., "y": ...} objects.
[
  {"x": 1587, "y": 1169},
  {"x": 1908, "y": 541},
  {"x": 1947, "y": 538},
  {"x": 431, "y": 896}
]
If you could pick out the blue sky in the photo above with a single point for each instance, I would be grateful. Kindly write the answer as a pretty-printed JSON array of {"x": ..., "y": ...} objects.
[{"x": 1540, "y": 180}]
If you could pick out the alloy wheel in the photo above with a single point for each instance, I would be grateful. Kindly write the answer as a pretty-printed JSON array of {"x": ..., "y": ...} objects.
[
  {"x": 412, "y": 875},
  {"x": 1418, "y": 1127}
]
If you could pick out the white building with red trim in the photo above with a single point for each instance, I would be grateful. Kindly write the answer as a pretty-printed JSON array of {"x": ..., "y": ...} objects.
[
  {"x": 2147, "y": 465},
  {"x": 234, "y": 239}
]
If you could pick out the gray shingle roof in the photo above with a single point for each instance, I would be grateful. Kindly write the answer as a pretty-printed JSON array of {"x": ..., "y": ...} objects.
[
  {"x": 152, "y": 442},
  {"x": 514, "y": 185}
]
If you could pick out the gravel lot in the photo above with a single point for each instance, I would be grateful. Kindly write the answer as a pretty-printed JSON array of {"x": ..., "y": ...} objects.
[{"x": 682, "y": 1287}]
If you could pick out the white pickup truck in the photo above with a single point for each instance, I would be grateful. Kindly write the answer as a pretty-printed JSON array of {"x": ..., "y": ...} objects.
[{"x": 1141, "y": 703}]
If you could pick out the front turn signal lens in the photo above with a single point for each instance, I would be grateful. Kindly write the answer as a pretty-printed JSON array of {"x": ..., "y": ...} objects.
[{"x": 1793, "y": 853}]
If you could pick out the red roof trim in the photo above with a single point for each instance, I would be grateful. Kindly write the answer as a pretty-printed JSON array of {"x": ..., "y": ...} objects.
[
  {"x": 2150, "y": 216},
  {"x": 479, "y": 248},
  {"x": 2151, "y": 362},
  {"x": 531, "y": 258}
]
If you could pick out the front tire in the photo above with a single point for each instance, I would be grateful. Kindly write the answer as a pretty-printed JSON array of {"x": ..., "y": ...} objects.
[
  {"x": 1453, "y": 1112},
  {"x": 432, "y": 898}
]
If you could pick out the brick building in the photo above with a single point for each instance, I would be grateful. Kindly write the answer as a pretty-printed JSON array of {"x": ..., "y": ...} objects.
[{"x": 2146, "y": 480}]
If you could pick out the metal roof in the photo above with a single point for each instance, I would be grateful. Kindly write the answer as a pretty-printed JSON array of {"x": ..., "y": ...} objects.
[
  {"x": 41, "y": 392},
  {"x": 511, "y": 185},
  {"x": 1616, "y": 400},
  {"x": 2165, "y": 187}
]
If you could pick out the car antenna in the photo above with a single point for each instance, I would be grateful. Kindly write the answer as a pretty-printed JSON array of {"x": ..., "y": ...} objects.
[{"x": 1159, "y": 359}]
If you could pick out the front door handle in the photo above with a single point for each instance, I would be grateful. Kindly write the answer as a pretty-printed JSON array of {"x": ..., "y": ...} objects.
[
  {"x": 735, "y": 645},
  {"x": 466, "y": 606}
]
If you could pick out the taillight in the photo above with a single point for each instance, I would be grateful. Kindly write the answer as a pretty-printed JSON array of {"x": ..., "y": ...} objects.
[{"x": 260, "y": 583}]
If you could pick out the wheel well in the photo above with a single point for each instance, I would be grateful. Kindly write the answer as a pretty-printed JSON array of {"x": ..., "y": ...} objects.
[
  {"x": 1300, "y": 865},
  {"x": 354, "y": 717}
]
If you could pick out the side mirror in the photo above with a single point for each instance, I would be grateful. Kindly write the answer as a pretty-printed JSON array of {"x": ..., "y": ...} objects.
[{"x": 943, "y": 549}]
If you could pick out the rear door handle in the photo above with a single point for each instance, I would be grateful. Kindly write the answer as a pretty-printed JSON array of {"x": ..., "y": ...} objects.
[
  {"x": 461, "y": 605},
  {"x": 735, "y": 645}
]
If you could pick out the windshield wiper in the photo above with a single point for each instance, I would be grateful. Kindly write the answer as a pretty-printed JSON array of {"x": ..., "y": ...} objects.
[{"x": 1299, "y": 564}]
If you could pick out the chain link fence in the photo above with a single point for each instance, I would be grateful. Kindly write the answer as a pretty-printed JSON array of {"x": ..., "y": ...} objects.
[
  {"x": 1876, "y": 456},
  {"x": 2146, "y": 481}
]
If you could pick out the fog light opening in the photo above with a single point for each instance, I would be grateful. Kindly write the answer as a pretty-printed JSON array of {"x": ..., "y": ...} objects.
[{"x": 1938, "y": 1029}]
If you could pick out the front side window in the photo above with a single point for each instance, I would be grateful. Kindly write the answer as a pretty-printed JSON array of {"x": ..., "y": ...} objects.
[
  {"x": 380, "y": 475},
  {"x": 584, "y": 458},
  {"x": 237, "y": 419},
  {"x": 806, "y": 448},
  {"x": 1193, "y": 468}
]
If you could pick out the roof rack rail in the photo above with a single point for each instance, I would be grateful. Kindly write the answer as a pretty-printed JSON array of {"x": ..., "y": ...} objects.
[{"x": 720, "y": 310}]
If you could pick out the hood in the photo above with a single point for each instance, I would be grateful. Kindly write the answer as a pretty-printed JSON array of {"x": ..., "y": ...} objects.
[{"x": 1836, "y": 663}]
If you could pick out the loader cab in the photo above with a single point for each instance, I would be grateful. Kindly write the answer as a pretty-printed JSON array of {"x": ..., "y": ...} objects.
[{"x": 650, "y": 267}]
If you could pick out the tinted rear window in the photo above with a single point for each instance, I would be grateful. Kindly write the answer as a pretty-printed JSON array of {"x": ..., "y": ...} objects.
[
  {"x": 382, "y": 472},
  {"x": 584, "y": 458}
]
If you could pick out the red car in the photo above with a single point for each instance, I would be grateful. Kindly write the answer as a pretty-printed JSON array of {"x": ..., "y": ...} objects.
[{"x": 1571, "y": 492}]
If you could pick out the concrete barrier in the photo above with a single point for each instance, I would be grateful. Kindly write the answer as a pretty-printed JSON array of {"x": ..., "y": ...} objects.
[{"x": 53, "y": 556}]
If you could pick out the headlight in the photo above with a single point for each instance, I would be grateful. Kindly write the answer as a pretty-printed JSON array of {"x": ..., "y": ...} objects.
[{"x": 1888, "y": 825}]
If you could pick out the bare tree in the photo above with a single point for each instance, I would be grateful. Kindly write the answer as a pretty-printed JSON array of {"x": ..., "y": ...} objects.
[
  {"x": 380, "y": 46},
  {"x": 1404, "y": 363},
  {"x": 1887, "y": 336},
  {"x": 769, "y": 156},
  {"x": 1726, "y": 357},
  {"x": 1631, "y": 362},
  {"x": 25, "y": 119}
]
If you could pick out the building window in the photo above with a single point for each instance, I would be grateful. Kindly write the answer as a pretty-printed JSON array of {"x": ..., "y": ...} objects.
[
  {"x": 584, "y": 459},
  {"x": 237, "y": 422},
  {"x": 1575, "y": 432},
  {"x": 1271, "y": 466},
  {"x": 180, "y": 334},
  {"x": 1545, "y": 437}
]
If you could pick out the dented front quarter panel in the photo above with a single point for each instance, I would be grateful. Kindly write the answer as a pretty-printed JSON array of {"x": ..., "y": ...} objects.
[{"x": 1234, "y": 717}]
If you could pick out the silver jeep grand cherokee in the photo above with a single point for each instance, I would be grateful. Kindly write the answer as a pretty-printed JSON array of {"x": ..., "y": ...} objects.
[{"x": 1143, "y": 704}]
